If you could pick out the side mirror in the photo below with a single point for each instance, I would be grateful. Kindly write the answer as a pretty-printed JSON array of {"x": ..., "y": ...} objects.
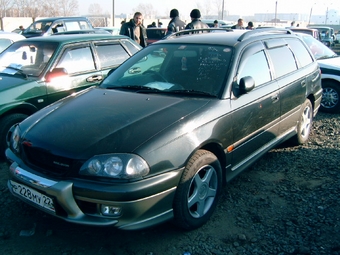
[
  {"x": 247, "y": 84},
  {"x": 55, "y": 73}
]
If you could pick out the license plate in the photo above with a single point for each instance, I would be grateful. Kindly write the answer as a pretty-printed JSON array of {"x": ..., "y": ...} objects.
[{"x": 33, "y": 195}]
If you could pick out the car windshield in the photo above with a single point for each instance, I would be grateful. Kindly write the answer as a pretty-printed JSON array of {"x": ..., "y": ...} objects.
[
  {"x": 319, "y": 50},
  {"x": 39, "y": 27},
  {"x": 174, "y": 68},
  {"x": 29, "y": 58}
]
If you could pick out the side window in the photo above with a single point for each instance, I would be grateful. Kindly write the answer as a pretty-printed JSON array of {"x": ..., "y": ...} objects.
[
  {"x": 111, "y": 54},
  {"x": 301, "y": 53},
  {"x": 84, "y": 25},
  {"x": 76, "y": 60},
  {"x": 283, "y": 60},
  {"x": 133, "y": 48},
  {"x": 72, "y": 25},
  {"x": 255, "y": 66}
]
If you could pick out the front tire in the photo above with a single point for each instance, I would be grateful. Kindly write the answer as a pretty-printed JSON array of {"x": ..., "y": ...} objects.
[
  {"x": 198, "y": 191},
  {"x": 5, "y": 124}
]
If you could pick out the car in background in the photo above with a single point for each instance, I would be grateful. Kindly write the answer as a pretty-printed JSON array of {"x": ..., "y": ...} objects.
[
  {"x": 221, "y": 23},
  {"x": 309, "y": 31},
  {"x": 49, "y": 26},
  {"x": 154, "y": 144},
  {"x": 329, "y": 63},
  {"x": 7, "y": 38},
  {"x": 327, "y": 35},
  {"x": 112, "y": 30},
  {"x": 38, "y": 71},
  {"x": 155, "y": 33}
]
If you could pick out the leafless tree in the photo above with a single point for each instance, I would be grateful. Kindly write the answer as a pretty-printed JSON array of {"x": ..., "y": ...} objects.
[
  {"x": 147, "y": 10},
  {"x": 95, "y": 9},
  {"x": 5, "y": 5}
]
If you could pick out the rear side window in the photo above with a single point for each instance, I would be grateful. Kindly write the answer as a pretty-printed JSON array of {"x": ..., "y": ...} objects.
[
  {"x": 283, "y": 61},
  {"x": 257, "y": 67},
  {"x": 111, "y": 54},
  {"x": 301, "y": 53}
]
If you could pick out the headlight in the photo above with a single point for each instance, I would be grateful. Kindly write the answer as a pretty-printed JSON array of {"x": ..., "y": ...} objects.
[
  {"x": 120, "y": 166},
  {"x": 14, "y": 137}
]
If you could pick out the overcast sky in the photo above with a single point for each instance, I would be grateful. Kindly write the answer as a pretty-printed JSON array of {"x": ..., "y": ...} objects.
[{"x": 235, "y": 7}]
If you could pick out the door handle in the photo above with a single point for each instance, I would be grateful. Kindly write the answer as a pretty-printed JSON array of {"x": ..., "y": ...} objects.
[{"x": 94, "y": 78}]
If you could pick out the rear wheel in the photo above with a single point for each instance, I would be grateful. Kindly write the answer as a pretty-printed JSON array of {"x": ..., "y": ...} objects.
[
  {"x": 330, "y": 97},
  {"x": 198, "y": 191},
  {"x": 305, "y": 123},
  {"x": 5, "y": 124}
]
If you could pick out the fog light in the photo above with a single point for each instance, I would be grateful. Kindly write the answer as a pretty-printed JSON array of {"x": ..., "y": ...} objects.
[{"x": 109, "y": 210}]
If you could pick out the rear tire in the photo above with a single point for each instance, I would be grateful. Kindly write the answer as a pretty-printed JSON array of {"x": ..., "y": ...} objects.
[
  {"x": 198, "y": 191},
  {"x": 5, "y": 124},
  {"x": 305, "y": 123}
]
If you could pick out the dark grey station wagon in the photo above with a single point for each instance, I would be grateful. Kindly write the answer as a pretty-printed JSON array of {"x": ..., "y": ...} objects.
[{"x": 163, "y": 133}]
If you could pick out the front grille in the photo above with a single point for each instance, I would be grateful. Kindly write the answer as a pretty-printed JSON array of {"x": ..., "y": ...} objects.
[{"x": 46, "y": 162}]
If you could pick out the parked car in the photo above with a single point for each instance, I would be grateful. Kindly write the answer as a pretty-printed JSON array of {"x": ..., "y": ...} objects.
[
  {"x": 83, "y": 31},
  {"x": 49, "y": 26},
  {"x": 309, "y": 31},
  {"x": 155, "y": 33},
  {"x": 327, "y": 35},
  {"x": 152, "y": 145},
  {"x": 7, "y": 38},
  {"x": 329, "y": 63},
  {"x": 38, "y": 71}
]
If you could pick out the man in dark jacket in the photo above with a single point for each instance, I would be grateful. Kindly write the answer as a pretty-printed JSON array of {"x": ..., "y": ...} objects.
[
  {"x": 135, "y": 29},
  {"x": 175, "y": 23},
  {"x": 196, "y": 23}
]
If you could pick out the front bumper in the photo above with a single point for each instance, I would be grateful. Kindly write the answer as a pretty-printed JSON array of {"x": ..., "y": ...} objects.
[{"x": 78, "y": 202}]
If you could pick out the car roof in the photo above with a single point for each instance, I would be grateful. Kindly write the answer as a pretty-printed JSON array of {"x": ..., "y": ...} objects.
[
  {"x": 225, "y": 36},
  {"x": 75, "y": 38},
  {"x": 11, "y": 35},
  {"x": 61, "y": 18}
]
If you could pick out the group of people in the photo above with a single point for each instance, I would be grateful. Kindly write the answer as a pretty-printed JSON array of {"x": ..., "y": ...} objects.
[{"x": 136, "y": 31}]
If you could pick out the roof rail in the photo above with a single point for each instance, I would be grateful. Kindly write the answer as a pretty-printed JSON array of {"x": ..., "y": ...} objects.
[
  {"x": 195, "y": 31},
  {"x": 264, "y": 30}
]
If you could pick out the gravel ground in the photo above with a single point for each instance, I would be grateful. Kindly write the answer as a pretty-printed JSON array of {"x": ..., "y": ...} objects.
[{"x": 287, "y": 203}]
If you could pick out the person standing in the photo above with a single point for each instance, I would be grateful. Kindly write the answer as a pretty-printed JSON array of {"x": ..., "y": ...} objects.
[
  {"x": 250, "y": 25},
  {"x": 175, "y": 23},
  {"x": 135, "y": 29},
  {"x": 215, "y": 24},
  {"x": 196, "y": 23},
  {"x": 239, "y": 24}
]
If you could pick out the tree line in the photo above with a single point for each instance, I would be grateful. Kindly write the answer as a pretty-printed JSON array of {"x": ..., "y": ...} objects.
[{"x": 38, "y": 8}]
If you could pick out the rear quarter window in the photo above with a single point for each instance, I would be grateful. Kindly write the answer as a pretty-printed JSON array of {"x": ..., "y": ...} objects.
[{"x": 301, "y": 53}]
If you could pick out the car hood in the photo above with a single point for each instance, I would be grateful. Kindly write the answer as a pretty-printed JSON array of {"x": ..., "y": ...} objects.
[
  {"x": 330, "y": 63},
  {"x": 100, "y": 121},
  {"x": 10, "y": 81}
]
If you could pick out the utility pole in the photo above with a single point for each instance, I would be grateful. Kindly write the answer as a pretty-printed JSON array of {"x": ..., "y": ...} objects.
[
  {"x": 113, "y": 13},
  {"x": 222, "y": 8},
  {"x": 275, "y": 12}
]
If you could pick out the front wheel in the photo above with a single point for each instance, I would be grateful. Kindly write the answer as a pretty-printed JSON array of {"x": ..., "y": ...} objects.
[
  {"x": 198, "y": 191},
  {"x": 330, "y": 97},
  {"x": 305, "y": 123},
  {"x": 5, "y": 124}
]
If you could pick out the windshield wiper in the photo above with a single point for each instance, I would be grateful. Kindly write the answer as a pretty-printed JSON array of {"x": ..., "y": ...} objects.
[
  {"x": 137, "y": 88},
  {"x": 18, "y": 71},
  {"x": 192, "y": 92}
]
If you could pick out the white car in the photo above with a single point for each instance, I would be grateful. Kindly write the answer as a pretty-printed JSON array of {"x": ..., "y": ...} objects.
[
  {"x": 7, "y": 38},
  {"x": 329, "y": 63}
]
